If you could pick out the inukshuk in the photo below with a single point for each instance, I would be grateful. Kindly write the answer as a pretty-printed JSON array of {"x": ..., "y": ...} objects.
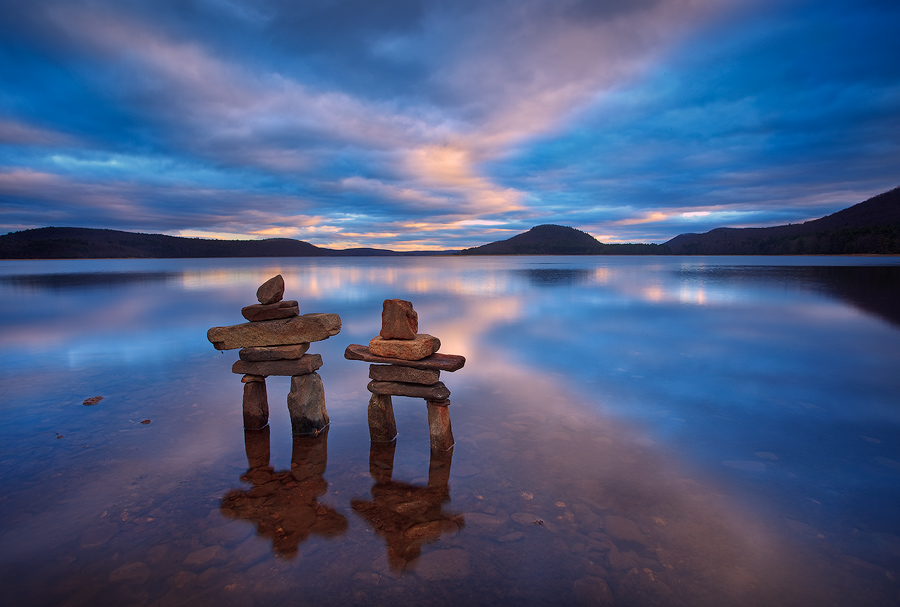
[
  {"x": 407, "y": 364},
  {"x": 275, "y": 341}
]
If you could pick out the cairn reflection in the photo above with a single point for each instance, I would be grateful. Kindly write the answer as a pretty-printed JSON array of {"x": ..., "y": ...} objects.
[
  {"x": 406, "y": 515},
  {"x": 283, "y": 504}
]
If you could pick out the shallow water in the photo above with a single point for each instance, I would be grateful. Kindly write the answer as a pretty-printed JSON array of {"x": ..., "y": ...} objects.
[{"x": 629, "y": 431}]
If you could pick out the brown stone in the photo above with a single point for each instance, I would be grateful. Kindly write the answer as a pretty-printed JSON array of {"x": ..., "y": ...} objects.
[
  {"x": 434, "y": 392},
  {"x": 306, "y": 405},
  {"x": 286, "y": 331},
  {"x": 398, "y": 320},
  {"x": 280, "y": 309},
  {"x": 299, "y": 366},
  {"x": 271, "y": 291},
  {"x": 439, "y": 426},
  {"x": 441, "y": 362},
  {"x": 404, "y": 374},
  {"x": 261, "y": 353},
  {"x": 382, "y": 426},
  {"x": 255, "y": 405},
  {"x": 252, "y": 378},
  {"x": 405, "y": 349}
]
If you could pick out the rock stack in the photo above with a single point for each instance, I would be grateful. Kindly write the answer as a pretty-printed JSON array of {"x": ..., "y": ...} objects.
[
  {"x": 407, "y": 364},
  {"x": 275, "y": 342}
]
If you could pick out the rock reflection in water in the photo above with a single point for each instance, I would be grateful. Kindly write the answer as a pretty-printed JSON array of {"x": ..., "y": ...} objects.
[
  {"x": 407, "y": 515},
  {"x": 284, "y": 504}
]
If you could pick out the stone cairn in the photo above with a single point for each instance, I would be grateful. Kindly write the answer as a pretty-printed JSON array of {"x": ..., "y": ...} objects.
[
  {"x": 275, "y": 342},
  {"x": 406, "y": 364}
]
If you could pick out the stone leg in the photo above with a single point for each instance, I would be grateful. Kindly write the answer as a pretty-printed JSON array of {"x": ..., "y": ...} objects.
[
  {"x": 439, "y": 425},
  {"x": 306, "y": 404},
  {"x": 382, "y": 427},
  {"x": 256, "y": 403}
]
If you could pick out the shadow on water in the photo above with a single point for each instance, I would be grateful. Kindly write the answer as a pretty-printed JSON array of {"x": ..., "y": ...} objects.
[
  {"x": 283, "y": 504},
  {"x": 553, "y": 277},
  {"x": 86, "y": 280},
  {"x": 871, "y": 289},
  {"x": 408, "y": 515}
]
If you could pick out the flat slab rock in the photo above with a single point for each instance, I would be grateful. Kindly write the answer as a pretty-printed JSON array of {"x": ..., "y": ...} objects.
[
  {"x": 406, "y": 375},
  {"x": 434, "y": 392},
  {"x": 407, "y": 349},
  {"x": 288, "y": 331},
  {"x": 280, "y": 309},
  {"x": 440, "y": 362},
  {"x": 261, "y": 353},
  {"x": 300, "y": 366}
]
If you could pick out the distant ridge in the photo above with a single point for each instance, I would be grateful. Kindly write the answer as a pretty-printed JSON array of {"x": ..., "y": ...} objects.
[
  {"x": 561, "y": 240},
  {"x": 871, "y": 227},
  {"x": 90, "y": 243}
]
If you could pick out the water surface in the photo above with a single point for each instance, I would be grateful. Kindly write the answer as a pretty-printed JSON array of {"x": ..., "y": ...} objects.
[{"x": 629, "y": 431}]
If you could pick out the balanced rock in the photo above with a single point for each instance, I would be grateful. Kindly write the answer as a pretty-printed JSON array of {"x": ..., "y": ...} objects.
[
  {"x": 404, "y": 374},
  {"x": 398, "y": 320},
  {"x": 300, "y": 366},
  {"x": 438, "y": 361},
  {"x": 271, "y": 291},
  {"x": 435, "y": 392},
  {"x": 286, "y": 331},
  {"x": 279, "y": 309},
  {"x": 273, "y": 352},
  {"x": 405, "y": 349}
]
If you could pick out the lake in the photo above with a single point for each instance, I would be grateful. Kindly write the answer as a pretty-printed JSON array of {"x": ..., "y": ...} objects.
[{"x": 629, "y": 431}]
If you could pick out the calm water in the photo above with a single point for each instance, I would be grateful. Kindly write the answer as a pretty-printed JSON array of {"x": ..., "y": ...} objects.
[{"x": 629, "y": 431}]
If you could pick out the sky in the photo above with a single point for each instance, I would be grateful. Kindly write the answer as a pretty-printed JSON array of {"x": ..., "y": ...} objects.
[{"x": 443, "y": 124}]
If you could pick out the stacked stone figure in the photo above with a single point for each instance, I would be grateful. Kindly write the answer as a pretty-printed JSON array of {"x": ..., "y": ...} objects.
[
  {"x": 275, "y": 341},
  {"x": 407, "y": 364}
]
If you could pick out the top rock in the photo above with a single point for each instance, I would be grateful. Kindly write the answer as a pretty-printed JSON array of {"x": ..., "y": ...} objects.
[
  {"x": 398, "y": 320},
  {"x": 271, "y": 291}
]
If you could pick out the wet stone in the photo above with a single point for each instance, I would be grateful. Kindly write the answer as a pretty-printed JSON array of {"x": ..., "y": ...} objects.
[
  {"x": 281, "y": 309},
  {"x": 621, "y": 528},
  {"x": 203, "y": 558},
  {"x": 440, "y": 362},
  {"x": 592, "y": 591},
  {"x": 271, "y": 291},
  {"x": 306, "y": 405},
  {"x": 398, "y": 320},
  {"x": 449, "y": 564},
  {"x": 132, "y": 573},
  {"x": 511, "y": 537}
]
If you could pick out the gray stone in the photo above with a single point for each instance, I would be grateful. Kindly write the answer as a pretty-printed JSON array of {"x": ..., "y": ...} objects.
[
  {"x": 405, "y": 349},
  {"x": 306, "y": 405},
  {"x": 398, "y": 320},
  {"x": 280, "y": 309},
  {"x": 593, "y": 591},
  {"x": 286, "y": 331},
  {"x": 435, "y": 392},
  {"x": 449, "y": 564},
  {"x": 404, "y": 374},
  {"x": 271, "y": 291},
  {"x": 299, "y": 366},
  {"x": 440, "y": 362},
  {"x": 260, "y": 353}
]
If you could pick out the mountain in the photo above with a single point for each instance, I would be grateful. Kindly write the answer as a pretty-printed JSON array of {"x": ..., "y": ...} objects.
[
  {"x": 560, "y": 240},
  {"x": 870, "y": 227},
  {"x": 89, "y": 243}
]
